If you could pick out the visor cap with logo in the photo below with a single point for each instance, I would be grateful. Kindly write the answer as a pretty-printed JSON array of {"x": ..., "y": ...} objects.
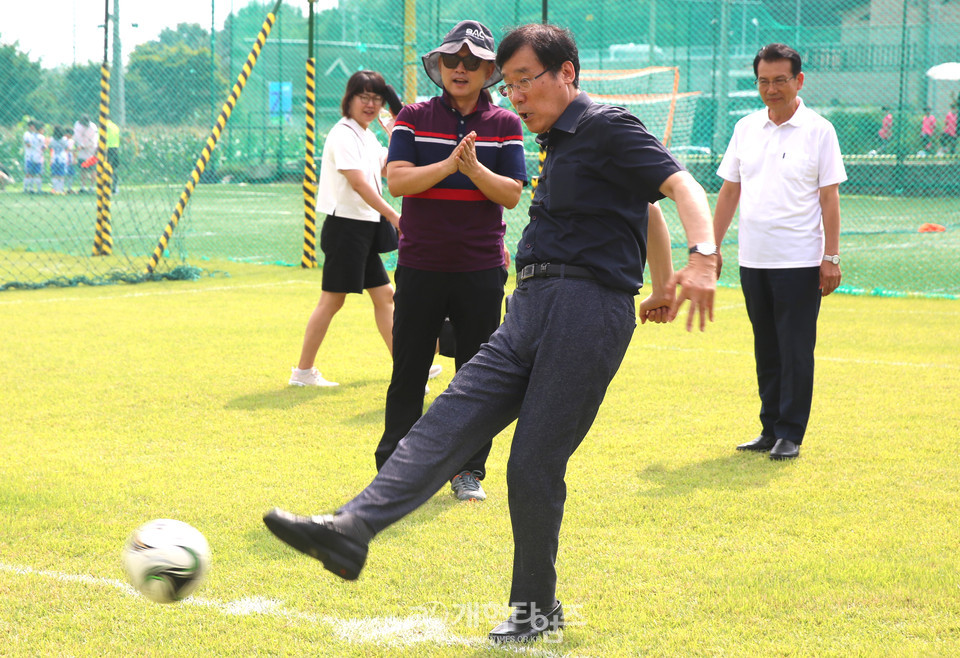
[{"x": 477, "y": 38}]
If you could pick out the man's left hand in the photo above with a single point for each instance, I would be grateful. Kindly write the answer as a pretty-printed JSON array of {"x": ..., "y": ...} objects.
[{"x": 829, "y": 277}]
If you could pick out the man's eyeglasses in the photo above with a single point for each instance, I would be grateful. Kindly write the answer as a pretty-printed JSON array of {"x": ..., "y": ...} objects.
[
  {"x": 523, "y": 85},
  {"x": 470, "y": 62},
  {"x": 776, "y": 83},
  {"x": 366, "y": 99}
]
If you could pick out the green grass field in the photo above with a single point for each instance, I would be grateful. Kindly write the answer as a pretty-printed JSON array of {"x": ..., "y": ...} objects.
[
  {"x": 127, "y": 403},
  {"x": 45, "y": 237}
]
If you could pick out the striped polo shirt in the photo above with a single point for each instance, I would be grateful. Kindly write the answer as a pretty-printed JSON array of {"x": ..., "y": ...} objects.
[{"x": 453, "y": 227}]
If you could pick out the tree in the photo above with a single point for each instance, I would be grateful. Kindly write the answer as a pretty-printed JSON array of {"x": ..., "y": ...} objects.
[
  {"x": 190, "y": 34},
  {"x": 169, "y": 84},
  {"x": 82, "y": 91},
  {"x": 19, "y": 78}
]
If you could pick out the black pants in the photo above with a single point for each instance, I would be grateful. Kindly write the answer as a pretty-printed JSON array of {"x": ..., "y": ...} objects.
[
  {"x": 423, "y": 299},
  {"x": 783, "y": 306}
]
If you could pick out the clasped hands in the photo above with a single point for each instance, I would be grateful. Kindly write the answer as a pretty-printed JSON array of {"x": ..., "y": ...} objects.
[
  {"x": 698, "y": 284},
  {"x": 464, "y": 156}
]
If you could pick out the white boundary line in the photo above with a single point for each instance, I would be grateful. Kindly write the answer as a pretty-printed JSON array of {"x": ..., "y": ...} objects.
[
  {"x": 834, "y": 359},
  {"x": 384, "y": 631},
  {"x": 159, "y": 293},
  {"x": 833, "y": 308}
]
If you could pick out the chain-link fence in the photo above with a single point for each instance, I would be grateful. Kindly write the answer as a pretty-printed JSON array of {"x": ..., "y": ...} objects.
[{"x": 873, "y": 67}]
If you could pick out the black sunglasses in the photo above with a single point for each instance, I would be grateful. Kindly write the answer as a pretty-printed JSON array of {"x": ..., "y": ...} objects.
[{"x": 470, "y": 62}]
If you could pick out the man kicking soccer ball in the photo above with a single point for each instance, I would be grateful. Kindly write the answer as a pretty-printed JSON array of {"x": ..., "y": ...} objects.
[{"x": 579, "y": 265}]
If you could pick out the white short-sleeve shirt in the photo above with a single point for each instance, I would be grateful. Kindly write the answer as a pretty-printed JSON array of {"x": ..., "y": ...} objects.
[
  {"x": 781, "y": 170},
  {"x": 85, "y": 134},
  {"x": 34, "y": 143},
  {"x": 349, "y": 146}
]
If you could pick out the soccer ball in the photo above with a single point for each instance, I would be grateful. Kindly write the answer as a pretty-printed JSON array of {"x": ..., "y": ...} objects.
[{"x": 166, "y": 560}]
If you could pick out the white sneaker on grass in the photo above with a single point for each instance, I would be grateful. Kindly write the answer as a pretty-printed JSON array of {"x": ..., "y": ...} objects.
[
  {"x": 435, "y": 370},
  {"x": 311, "y": 377}
]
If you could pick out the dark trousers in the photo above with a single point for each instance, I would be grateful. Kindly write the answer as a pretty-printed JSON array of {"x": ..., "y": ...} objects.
[
  {"x": 547, "y": 367},
  {"x": 783, "y": 306},
  {"x": 423, "y": 299}
]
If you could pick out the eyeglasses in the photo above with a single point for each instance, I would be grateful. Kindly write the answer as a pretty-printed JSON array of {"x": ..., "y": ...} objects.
[
  {"x": 366, "y": 99},
  {"x": 470, "y": 62},
  {"x": 523, "y": 85},
  {"x": 776, "y": 83}
]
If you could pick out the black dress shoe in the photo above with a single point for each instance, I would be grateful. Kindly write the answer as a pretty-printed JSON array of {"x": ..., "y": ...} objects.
[
  {"x": 785, "y": 449},
  {"x": 524, "y": 627},
  {"x": 760, "y": 444},
  {"x": 320, "y": 538}
]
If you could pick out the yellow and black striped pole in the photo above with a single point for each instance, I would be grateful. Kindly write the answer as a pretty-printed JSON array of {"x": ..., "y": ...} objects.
[
  {"x": 103, "y": 236},
  {"x": 309, "y": 258},
  {"x": 536, "y": 179},
  {"x": 218, "y": 127},
  {"x": 105, "y": 229}
]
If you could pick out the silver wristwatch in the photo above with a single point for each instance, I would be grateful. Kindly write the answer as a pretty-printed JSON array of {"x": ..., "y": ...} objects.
[
  {"x": 704, "y": 249},
  {"x": 832, "y": 259}
]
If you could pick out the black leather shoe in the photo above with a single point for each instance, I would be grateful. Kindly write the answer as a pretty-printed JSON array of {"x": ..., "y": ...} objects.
[
  {"x": 319, "y": 538},
  {"x": 785, "y": 449},
  {"x": 760, "y": 444},
  {"x": 524, "y": 627}
]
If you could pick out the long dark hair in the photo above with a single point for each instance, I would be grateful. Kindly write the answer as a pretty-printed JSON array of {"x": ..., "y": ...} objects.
[{"x": 359, "y": 83}]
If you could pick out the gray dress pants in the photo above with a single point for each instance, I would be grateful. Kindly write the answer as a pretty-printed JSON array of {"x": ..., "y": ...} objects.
[{"x": 547, "y": 367}]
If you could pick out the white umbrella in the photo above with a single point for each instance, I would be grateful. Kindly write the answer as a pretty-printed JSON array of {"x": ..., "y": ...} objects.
[{"x": 945, "y": 71}]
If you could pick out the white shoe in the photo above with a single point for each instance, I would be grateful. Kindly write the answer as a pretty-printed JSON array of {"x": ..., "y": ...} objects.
[
  {"x": 434, "y": 371},
  {"x": 311, "y": 377}
]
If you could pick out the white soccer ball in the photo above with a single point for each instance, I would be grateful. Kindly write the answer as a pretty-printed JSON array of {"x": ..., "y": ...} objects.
[{"x": 166, "y": 560}]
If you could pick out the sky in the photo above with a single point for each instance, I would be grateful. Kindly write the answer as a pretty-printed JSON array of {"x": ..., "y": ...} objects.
[{"x": 58, "y": 32}]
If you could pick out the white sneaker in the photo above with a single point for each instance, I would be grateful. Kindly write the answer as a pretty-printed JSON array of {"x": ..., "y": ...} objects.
[
  {"x": 311, "y": 377},
  {"x": 434, "y": 371}
]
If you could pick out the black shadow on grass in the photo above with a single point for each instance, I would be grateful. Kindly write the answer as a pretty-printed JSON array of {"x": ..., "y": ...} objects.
[
  {"x": 735, "y": 472},
  {"x": 373, "y": 416},
  {"x": 282, "y": 398}
]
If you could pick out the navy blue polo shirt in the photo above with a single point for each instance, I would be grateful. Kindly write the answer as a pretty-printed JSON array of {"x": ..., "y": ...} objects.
[
  {"x": 590, "y": 206},
  {"x": 453, "y": 226}
]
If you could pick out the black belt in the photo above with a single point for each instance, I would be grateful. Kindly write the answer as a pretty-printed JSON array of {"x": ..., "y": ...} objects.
[{"x": 560, "y": 270}]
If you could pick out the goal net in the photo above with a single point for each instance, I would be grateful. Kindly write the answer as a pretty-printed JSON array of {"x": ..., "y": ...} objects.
[{"x": 652, "y": 94}]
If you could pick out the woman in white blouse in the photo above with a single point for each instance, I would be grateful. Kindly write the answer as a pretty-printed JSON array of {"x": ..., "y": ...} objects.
[{"x": 349, "y": 194}]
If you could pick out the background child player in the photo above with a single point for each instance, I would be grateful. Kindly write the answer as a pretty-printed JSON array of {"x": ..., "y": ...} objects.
[{"x": 33, "y": 145}]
